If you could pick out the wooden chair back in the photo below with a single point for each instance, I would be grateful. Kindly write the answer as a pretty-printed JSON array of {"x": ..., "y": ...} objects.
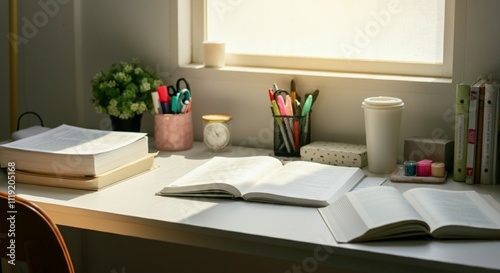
[{"x": 30, "y": 241}]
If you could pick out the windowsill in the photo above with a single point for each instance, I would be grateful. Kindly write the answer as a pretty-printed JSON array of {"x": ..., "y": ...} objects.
[{"x": 275, "y": 71}]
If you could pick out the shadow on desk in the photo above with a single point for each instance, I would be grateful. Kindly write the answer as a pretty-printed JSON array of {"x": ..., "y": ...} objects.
[
  {"x": 61, "y": 194},
  {"x": 198, "y": 152}
]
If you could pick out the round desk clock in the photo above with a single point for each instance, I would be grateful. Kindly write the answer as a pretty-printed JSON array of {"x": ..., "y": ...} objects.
[{"x": 217, "y": 132}]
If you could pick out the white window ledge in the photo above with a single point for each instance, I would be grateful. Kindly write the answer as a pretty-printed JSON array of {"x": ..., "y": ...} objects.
[{"x": 224, "y": 71}]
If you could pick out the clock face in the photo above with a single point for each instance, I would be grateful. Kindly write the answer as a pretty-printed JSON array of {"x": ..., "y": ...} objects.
[{"x": 216, "y": 136}]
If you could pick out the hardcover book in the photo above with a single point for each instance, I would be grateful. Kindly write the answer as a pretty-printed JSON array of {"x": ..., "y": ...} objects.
[
  {"x": 461, "y": 126},
  {"x": 472, "y": 135}
]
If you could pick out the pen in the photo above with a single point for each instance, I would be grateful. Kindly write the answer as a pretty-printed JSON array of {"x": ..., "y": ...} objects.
[
  {"x": 288, "y": 106},
  {"x": 315, "y": 95},
  {"x": 296, "y": 134},
  {"x": 271, "y": 94},
  {"x": 293, "y": 93},
  {"x": 307, "y": 105},
  {"x": 275, "y": 87},
  {"x": 294, "y": 123},
  {"x": 305, "y": 112},
  {"x": 282, "y": 107},
  {"x": 276, "y": 112},
  {"x": 185, "y": 106},
  {"x": 188, "y": 106},
  {"x": 164, "y": 99}
]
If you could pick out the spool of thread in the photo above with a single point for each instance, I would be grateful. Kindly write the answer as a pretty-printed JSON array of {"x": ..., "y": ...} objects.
[
  {"x": 410, "y": 168},
  {"x": 424, "y": 167},
  {"x": 437, "y": 169}
]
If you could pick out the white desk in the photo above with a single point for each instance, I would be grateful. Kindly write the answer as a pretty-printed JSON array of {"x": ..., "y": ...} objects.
[{"x": 282, "y": 232}]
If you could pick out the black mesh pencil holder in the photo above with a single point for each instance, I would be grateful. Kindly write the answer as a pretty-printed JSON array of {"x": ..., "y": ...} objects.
[{"x": 291, "y": 133}]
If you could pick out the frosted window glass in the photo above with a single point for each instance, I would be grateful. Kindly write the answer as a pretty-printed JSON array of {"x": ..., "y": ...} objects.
[{"x": 390, "y": 30}]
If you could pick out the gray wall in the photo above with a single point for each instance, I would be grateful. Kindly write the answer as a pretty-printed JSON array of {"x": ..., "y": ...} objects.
[
  {"x": 79, "y": 38},
  {"x": 83, "y": 37},
  {"x": 46, "y": 63}
]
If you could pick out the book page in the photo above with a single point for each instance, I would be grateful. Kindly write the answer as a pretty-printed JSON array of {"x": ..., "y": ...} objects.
[
  {"x": 240, "y": 172},
  {"x": 67, "y": 139},
  {"x": 379, "y": 206},
  {"x": 369, "y": 214},
  {"x": 461, "y": 208},
  {"x": 308, "y": 180}
]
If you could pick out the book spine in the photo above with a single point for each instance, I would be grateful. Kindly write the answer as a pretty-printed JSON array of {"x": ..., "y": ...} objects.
[
  {"x": 479, "y": 139},
  {"x": 472, "y": 134},
  {"x": 496, "y": 145},
  {"x": 496, "y": 160},
  {"x": 461, "y": 126},
  {"x": 489, "y": 132}
]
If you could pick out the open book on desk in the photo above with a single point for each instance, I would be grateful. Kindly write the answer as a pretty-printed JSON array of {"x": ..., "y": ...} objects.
[
  {"x": 384, "y": 213},
  {"x": 266, "y": 179}
]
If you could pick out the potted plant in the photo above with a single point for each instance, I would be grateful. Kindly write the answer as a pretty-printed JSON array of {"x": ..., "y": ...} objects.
[{"x": 124, "y": 93}]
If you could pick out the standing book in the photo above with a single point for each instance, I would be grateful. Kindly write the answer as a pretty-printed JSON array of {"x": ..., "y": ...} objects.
[
  {"x": 479, "y": 137},
  {"x": 68, "y": 150},
  {"x": 490, "y": 131},
  {"x": 381, "y": 213},
  {"x": 461, "y": 126},
  {"x": 474, "y": 105},
  {"x": 266, "y": 179}
]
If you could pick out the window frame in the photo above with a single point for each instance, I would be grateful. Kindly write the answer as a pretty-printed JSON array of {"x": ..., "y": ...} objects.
[{"x": 444, "y": 70}]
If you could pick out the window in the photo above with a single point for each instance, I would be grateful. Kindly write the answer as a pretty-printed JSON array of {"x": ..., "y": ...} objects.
[{"x": 408, "y": 37}]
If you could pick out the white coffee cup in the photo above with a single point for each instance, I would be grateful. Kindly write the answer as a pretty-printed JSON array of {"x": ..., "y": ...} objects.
[
  {"x": 382, "y": 125},
  {"x": 214, "y": 54}
]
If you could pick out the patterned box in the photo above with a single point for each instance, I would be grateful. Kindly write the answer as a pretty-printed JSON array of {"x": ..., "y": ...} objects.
[{"x": 334, "y": 153}]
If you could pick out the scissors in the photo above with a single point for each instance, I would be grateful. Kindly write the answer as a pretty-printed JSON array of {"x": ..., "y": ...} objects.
[
  {"x": 180, "y": 97},
  {"x": 281, "y": 92}
]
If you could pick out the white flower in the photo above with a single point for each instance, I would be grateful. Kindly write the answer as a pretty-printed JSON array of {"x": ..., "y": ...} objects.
[
  {"x": 157, "y": 83},
  {"x": 120, "y": 76},
  {"x": 145, "y": 86},
  {"x": 142, "y": 107},
  {"x": 123, "y": 116},
  {"x": 134, "y": 107},
  {"x": 127, "y": 67}
]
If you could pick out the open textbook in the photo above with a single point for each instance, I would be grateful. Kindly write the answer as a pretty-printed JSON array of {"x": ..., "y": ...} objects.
[
  {"x": 380, "y": 213},
  {"x": 266, "y": 179},
  {"x": 68, "y": 150}
]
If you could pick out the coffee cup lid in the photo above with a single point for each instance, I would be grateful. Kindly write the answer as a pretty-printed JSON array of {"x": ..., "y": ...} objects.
[{"x": 383, "y": 102}]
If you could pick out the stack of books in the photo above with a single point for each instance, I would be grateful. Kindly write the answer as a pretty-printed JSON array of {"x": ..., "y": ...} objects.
[
  {"x": 78, "y": 158},
  {"x": 477, "y": 117}
]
